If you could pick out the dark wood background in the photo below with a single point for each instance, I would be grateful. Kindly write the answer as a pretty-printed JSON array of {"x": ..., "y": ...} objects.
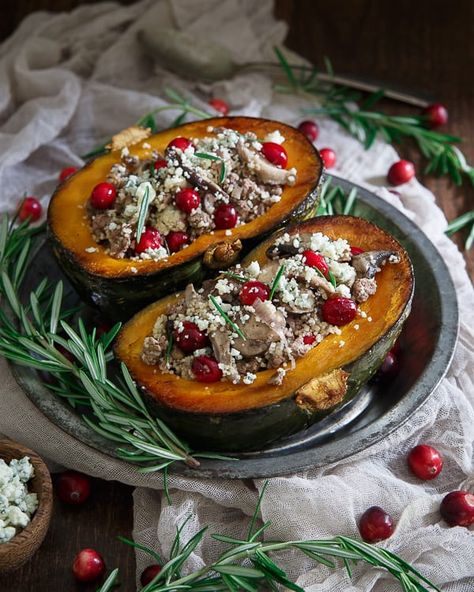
[{"x": 426, "y": 46}]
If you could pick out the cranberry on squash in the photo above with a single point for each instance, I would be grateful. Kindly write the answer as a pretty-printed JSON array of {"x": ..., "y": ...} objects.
[
  {"x": 160, "y": 164},
  {"x": 225, "y": 216},
  {"x": 275, "y": 153},
  {"x": 356, "y": 250},
  {"x": 339, "y": 310},
  {"x": 150, "y": 239},
  {"x": 190, "y": 338},
  {"x": 206, "y": 369},
  {"x": 180, "y": 143},
  {"x": 103, "y": 196},
  {"x": 187, "y": 200},
  {"x": 252, "y": 290},
  {"x": 176, "y": 240},
  {"x": 313, "y": 259}
]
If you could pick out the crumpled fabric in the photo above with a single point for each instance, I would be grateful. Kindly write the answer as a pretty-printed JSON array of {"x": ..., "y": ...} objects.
[{"x": 71, "y": 80}]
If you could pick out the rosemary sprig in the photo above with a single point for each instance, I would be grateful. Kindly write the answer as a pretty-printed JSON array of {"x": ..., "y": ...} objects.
[
  {"x": 248, "y": 563},
  {"x": 206, "y": 156},
  {"x": 276, "y": 281},
  {"x": 226, "y": 318},
  {"x": 332, "y": 279},
  {"x": 143, "y": 211},
  {"x": 358, "y": 118},
  {"x": 461, "y": 222},
  {"x": 235, "y": 276}
]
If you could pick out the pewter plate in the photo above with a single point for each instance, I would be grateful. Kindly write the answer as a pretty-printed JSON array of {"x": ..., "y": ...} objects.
[{"x": 428, "y": 341}]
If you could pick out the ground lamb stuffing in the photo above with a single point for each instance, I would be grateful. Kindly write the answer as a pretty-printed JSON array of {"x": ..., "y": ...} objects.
[
  {"x": 256, "y": 318},
  {"x": 224, "y": 169}
]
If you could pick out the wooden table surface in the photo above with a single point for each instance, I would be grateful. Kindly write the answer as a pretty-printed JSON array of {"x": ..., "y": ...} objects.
[{"x": 425, "y": 46}]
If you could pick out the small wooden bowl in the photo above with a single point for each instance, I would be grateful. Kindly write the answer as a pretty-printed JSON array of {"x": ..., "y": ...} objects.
[{"x": 25, "y": 544}]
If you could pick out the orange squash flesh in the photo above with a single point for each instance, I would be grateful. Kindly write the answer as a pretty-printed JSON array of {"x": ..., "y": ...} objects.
[{"x": 385, "y": 313}]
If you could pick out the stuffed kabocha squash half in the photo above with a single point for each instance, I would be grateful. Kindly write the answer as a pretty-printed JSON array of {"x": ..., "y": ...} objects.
[
  {"x": 274, "y": 343},
  {"x": 146, "y": 219}
]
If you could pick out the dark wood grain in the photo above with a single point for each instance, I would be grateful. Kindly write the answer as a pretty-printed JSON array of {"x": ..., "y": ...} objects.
[{"x": 425, "y": 46}]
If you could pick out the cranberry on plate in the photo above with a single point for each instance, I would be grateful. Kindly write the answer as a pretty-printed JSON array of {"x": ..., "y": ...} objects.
[
  {"x": 310, "y": 129},
  {"x": 375, "y": 525},
  {"x": 150, "y": 239},
  {"x": 252, "y": 290},
  {"x": 219, "y": 105},
  {"x": 225, "y": 216},
  {"x": 339, "y": 310},
  {"x": 425, "y": 462},
  {"x": 401, "y": 172},
  {"x": 206, "y": 369},
  {"x": 187, "y": 200},
  {"x": 149, "y": 574},
  {"x": 30, "y": 209},
  {"x": 177, "y": 240},
  {"x": 103, "y": 196},
  {"x": 329, "y": 157},
  {"x": 73, "y": 488},
  {"x": 180, "y": 143},
  {"x": 190, "y": 338},
  {"x": 88, "y": 565},
  {"x": 457, "y": 508},
  {"x": 275, "y": 153},
  {"x": 66, "y": 173},
  {"x": 436, "y": 115},
  {"x": 313, "y": 259}
]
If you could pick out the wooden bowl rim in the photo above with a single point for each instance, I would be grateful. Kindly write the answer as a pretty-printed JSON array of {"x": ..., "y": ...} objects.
[{"x": 42, "y": 515}]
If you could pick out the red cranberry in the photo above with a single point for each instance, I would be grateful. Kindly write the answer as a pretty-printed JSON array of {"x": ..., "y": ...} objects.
[
  {"x": 425, "y": 462},
  {"x": 356, "y": 250},
  {"x": 66, "y": 173},
  {"x": 309, "y": 339},
  {"x": 206, "y": 369},
  {"x": 180, "y": 143},
  {"x": 190, "y": 338},
  {"x": 225, "y": 216},
  {"x": 160, "y": 164},
  {"x": 88, "y": 565},
  {"x": 103, "y": 196},
  {"x": 219, "y": 105},
  {"x": 149, "y": 574},
  {"x": 401, "y": 172},
  {"x": 73, "y": 488},
  {"x": 329, "y": 157},
  {"x": 30, "y": 209},
  {"x": 252, "y": 290},
  {"x": 375, "y": 525},
  {"x": 313, "y": 259},
  {"x": 457, "y": 508},
  {"x": 150, "y": 239},
  {"x": 339, "y": 311},
  {"x": 187, "y": 200},
  {"x": 275, "y": 153},
  {"x": 310, "y": 129},
  {"x": 436, "y": 115},
  {"x": 176, "y": 240},
  {"x": 102, "y": 329}
]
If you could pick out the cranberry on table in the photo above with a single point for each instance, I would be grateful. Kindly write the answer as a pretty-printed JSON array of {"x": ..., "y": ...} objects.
[
  {"x": 225, "y": 216},
  {"x": 30, "y": 209},
  {"x": 375, "y": 525},
  {"x": 176, "y": 240},
  {"x": 275, "y": 153},
  {"x": 66, "y": 173},
  {"x": 436, "y": 115},
  {"x": 339, "y": 310},
  {"x": 103, "y": 196},
  {"x": 160, "y": 164},
  {"x": 73, "y": 488},
  {"x": 356, "y": 250},
  {"x": 425, "y": 462},
  {"x": 310, "y": 129},
  {"x": 149, "y": 574},
  {"x": 457, "y": 508},
  {"x": 187, "y": 200},
  {"x": 190, "y": 338},
  {"x": 180, "y": 143},
  {"x": 401, "y": 172},
  {"x": 206, "y": 369},
  {"x": 219, "y": 105},
  {"x": 150, "y": 239},
  {"x": 329, "y": 157},
  {"x": 88, "y": 565},
  {"x": 313, "y": 259},
  {"x": 309, "y": 339},
  {"x": 252, "y": 290}
]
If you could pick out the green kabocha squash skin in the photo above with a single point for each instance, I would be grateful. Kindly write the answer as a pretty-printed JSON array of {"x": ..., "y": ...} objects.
[
  {"x": 121, "y": 287},
  {"x": 237, "y": 417}
]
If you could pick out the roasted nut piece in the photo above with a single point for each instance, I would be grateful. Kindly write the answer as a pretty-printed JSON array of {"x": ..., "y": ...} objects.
[
  {"x": 128, "y": 137},
  {"x": 222, "y": 255}
]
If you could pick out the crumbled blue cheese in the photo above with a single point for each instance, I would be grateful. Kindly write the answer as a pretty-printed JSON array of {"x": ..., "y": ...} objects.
[
  {"x": 16, "y": 504},
  {"x": 275, "y": 137}
]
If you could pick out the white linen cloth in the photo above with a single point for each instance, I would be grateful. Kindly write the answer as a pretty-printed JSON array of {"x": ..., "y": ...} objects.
[{"x": 69, "y": 80}]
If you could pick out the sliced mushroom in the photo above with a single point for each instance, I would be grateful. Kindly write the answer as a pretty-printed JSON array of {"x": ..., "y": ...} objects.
[
  {"x": 367, "y": 264},
  {"x": 262, "y": 329},
  {"x": 281, "y": 251},
  {"x": 220, "y": 343},
  {"x": 267, "y": 173},
  {"x": 196, "y": 179},
  {"x": 268, "y": 272}
]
